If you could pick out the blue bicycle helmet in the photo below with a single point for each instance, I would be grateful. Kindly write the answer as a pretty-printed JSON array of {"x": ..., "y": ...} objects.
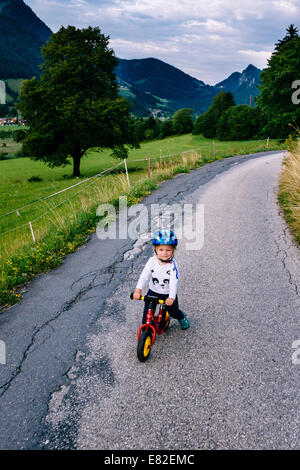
[{"x": 164, "y": 237}]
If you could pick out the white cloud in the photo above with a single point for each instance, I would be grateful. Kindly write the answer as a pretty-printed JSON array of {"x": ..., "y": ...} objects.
[
  {"x": 144, "y": 48},
  {"x": 215, "y": 37},
  {"x": 217, "y": 26},
  {"x": 79, "y": 3},
  {"x": 257, "y": 57},
  {"x": 285, "y": 7},
  {"x": 192, "y": 23}
]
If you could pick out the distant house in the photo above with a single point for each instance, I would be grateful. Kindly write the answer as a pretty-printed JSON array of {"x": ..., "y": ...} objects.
[
  {"x": 154, "y": 112},
  {"x": 12, "y": 122}
]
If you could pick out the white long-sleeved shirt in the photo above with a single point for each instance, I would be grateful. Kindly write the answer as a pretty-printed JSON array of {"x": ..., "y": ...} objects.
[{"x": 162, "y": 279}]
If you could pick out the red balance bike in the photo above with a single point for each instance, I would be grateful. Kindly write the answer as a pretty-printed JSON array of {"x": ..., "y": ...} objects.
[{"x": 155, "y": 325}]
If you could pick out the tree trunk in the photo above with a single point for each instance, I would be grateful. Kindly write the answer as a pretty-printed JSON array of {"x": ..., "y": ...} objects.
[{"x": 76, "y": 164}]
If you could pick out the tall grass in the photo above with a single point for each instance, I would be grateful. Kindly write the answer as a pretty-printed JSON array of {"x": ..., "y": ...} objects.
[{"x": 289, "y": 189}]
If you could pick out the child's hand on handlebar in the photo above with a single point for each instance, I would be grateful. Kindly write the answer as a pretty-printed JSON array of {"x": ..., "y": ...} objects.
[
  {"x": 169, "y": 301},
  {"x": 137, "y": 294}
]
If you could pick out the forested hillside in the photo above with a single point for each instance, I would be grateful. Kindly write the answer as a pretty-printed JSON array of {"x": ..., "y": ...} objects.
[
  {"x": 155, "y": 78},
  {"x": 21, "y": 38}
]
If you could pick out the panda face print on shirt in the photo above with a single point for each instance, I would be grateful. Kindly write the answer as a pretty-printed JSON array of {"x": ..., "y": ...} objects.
[{"x": 163, "y": 281}]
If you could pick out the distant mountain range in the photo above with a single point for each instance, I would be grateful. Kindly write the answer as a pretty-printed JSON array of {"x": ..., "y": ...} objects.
[
  {"x": 157, "y": 85},
  {"x": 151, "y": 85}
]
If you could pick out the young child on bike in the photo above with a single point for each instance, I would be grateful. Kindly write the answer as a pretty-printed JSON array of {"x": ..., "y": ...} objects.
[{"x": 161, "y": 275}]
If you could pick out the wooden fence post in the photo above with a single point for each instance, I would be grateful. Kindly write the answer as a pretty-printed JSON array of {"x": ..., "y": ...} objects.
[
  {"x": 214, "y": 150},
  {"x": 126, "y": 169},
  {"x": 268, "y": 140},
  {"x": 32, "y": 232},
  {"x": 148, "y": 165}
]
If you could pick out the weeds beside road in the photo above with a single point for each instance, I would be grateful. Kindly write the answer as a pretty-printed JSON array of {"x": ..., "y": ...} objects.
[{"x": 289, "y": 189}]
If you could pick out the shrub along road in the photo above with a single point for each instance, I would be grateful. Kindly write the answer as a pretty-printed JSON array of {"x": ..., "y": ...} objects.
[{"x": 72, "y": 378}]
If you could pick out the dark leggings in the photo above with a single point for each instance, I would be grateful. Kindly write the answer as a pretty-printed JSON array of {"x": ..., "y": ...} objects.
[{"x": 174, "y": 310}]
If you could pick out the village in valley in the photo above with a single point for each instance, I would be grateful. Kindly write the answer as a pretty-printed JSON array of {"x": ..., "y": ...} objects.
[{"x": 12, "y": 122}]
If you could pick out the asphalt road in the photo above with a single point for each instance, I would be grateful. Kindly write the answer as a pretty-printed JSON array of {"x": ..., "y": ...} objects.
[{"x": 72, "y": 379}]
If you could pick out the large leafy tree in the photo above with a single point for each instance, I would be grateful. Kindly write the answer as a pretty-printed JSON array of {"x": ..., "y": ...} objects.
[
  {"x": 206, "y": 123},
  {"x": 275, "y": 99},
  {"x": 75, "y": 104}
]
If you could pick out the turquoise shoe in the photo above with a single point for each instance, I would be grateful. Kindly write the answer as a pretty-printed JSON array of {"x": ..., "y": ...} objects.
[{"x": 184, "y": 323}]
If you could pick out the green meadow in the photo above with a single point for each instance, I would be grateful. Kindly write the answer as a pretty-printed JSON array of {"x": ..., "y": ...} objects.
[{"x": 62, "y": 222}]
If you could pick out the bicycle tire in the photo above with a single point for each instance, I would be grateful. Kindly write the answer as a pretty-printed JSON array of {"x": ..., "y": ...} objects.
[{"x": 144, "y": 346}]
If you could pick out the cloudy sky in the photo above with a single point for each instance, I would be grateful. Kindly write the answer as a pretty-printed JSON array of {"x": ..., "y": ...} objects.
[{"x": 206, "y": 39}]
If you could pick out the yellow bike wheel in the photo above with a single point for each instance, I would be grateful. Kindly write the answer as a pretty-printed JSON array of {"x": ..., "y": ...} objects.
[
  {"x": 167, "y": 319},
  {"x": 144, "y": 346}
]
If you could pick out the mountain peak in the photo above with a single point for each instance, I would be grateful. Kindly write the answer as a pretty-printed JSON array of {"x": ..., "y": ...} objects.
[
  {"x": 251, "y": 68},
  {"x": 252, "y": 72}
]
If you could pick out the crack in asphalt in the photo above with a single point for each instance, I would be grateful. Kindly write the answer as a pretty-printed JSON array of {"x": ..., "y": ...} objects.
[
  {"x": 282, "y": 249},
  {"x": 68, "y": 305}
]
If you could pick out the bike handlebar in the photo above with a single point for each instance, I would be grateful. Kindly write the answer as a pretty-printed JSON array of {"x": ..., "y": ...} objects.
[{"x": 149, "y": 298}]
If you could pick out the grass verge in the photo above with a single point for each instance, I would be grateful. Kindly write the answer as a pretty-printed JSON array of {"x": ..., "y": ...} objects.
[{"x": 289, "y": 189}]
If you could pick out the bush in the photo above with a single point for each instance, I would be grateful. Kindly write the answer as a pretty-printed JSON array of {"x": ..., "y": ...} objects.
[
  {"x": 34, "y": 179},
  {"x": 149, "y": 134},
  {"x": 19, "y": 135}
]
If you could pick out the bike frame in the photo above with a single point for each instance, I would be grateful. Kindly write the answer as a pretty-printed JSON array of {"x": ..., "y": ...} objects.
[{"x": 152, "y": 320}]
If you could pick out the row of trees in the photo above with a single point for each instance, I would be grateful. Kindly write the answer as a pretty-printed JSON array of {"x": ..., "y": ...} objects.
[
  {"x": 226, "y": 121},
  {"x": 182, "y": 122},
  {"x": 75, "y": 104},
  {"x": 223, "y": 120}
]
